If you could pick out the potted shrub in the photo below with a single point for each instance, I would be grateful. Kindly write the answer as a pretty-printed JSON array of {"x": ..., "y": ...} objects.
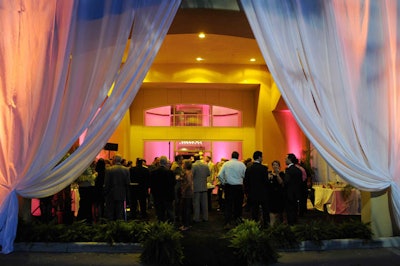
[
  {"x": 161, "y": 244},
  {"x": 315, "y": 231},
  {"x": 355, "y": 229},
  {"x": 281, "y": 236},
  {"x": 251, "y": 243}
]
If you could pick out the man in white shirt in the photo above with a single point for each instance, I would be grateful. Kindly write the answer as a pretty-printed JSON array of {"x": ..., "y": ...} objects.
[{"x": 231, "y": 177}]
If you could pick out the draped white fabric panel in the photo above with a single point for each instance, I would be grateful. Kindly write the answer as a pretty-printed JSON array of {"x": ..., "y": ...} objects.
[
  {"x": 337, "y": 64},
  {"x": 58, "y": 60}
]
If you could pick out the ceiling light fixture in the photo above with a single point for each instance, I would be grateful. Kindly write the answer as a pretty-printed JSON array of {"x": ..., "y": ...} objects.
[
  {"x": 202, "y": 35},
  {"x": 199, "y": 59},
  {"x": 252, "y": 59}
]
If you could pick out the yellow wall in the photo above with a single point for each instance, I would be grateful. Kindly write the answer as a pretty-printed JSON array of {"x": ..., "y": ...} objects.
[
  {"x": 245, "y": 87},
  {"x": 121, "y": 136}
]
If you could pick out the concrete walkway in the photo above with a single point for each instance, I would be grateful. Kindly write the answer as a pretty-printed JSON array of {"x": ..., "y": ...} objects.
[
  {"x": 305, "y": 246},
  {"x": 344, "y": 257},
  {"x": 347, "y": 257},
  {"x": 384, "y": 251}
]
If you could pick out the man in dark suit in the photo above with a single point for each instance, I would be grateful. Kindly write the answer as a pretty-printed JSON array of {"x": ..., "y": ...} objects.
[
  {"x": 116, "y": 187},
  {"x": 162, "y": 186},
  {"x": 256, "y": 187},
  {"x": 293, "y": 186},
  {"x": 140, "y": 177}
]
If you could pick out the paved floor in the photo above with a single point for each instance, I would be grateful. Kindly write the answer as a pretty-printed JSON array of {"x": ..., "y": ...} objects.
[
  {"x": 380, "y": 256},
  {"x": 73, "y": 259},
  {"x": 349, "y": 257}
]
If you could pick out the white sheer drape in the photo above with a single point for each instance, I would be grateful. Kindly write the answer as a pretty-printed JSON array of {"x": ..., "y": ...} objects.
[
  {"x": 337, "y": 64},
  {"x": 58, "y": 60}
]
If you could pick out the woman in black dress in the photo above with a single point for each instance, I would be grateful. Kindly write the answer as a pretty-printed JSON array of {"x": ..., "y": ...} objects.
[{"x": 277, "y": 193}]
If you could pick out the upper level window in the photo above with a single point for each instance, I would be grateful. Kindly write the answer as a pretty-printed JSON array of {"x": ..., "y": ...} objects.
[{"x": 194, "y": 115}]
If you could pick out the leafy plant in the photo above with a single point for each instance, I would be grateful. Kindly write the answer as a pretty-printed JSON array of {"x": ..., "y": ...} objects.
[
  {"x": 78, "y": 231},
  {"x": 315, "y": 231},
  {"x": 355, "y": 229},
  {"x": 161, "y": 244},
  {"x": 33, "y": 232},
  {"x": 119, "y": 231},
  {"x": 251, "y": 243},
  {"x": 282, "y": 237}
]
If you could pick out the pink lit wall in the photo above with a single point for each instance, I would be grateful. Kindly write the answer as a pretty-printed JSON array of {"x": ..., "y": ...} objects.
[
  {"x": 154, "y": 149},
  {"x": 160, "y": 116},
  {"x": 224, "y": 149},
  {"x": 227, "y": 121},
  {"x": 295, "y": 138},
  {"x": 206, "y": 115},
  {"x": 226, "y": 117}
]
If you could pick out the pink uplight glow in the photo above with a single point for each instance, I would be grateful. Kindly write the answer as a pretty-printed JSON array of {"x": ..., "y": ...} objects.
[
  {"x": 226, "y": 117},
  {"x": 158, "y": 116},
  {"x": 154, "y": 149},
  {"x": 293, "y": 135},
  {"x": 224, "y": 149}
]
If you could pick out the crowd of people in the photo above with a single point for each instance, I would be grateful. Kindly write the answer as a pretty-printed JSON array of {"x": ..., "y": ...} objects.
[{"x": 180, "y": 191}]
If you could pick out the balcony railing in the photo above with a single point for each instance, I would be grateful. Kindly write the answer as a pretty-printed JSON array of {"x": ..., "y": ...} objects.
[{"x": 190, "y": 120}]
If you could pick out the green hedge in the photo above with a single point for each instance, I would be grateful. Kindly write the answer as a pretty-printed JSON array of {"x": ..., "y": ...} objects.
[
  {"x": 162, "y": 242},
  {"x": 280, "y": 235},
  {"x": 110, "y": 232},
  {"x": 258, "y": 246}
]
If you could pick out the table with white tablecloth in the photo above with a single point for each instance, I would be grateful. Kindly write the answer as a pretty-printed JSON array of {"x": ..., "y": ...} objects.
[{"x": 337, "y": 200}]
